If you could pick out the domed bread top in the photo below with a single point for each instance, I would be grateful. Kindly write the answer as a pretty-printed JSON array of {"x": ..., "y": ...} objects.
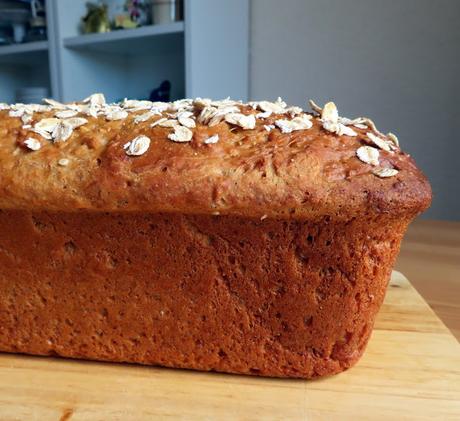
[{"x": 254, "y": 159}]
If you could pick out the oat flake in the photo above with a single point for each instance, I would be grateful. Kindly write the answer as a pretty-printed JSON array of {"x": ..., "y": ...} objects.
[
  {"x": 186, "y": 120},
  {"x": 360, "y": 126},
  {"x": 385, "y": 172},
  {"x": 181, "y": 134},
  {"x": 62, "y": 131},
  {"x": 43, "y": 133},
  {"x": 346, "y": 131},
  {"x": 246, "y": 122},
  {"x": 66, "y": 114},
  {"x": 272, "y": 107},
  {"x": 158, "y": 122},
  {"x": 76, "y": 122},
  {"x": 368, "y": 155},
  {"x": 55, "y": 104},
  {"x": 393, "y": 138},
  {"x": 298, "y": 123},
  {"x": 95, "y": 100},
  {"x": 330, "y": 113},
  {"x": 47, "y": 124},
  {"x": 212, "y": 139},
  {"x": 138, "y": 146},
  {"x": 378, "y": 141},
  {"x": 114, "y": 115},
  {"x": 265, "y": 114},
  {"x": 144, "y": 117},
  {"x": 26, "y": 118},
  {"x": 168, "y": 123},
  {"x": 32, "y": 144}
]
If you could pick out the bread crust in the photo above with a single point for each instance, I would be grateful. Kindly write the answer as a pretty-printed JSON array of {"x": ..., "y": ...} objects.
[
  {"x": 303, "y": 174},
  {"x": 223, "y": 293}
]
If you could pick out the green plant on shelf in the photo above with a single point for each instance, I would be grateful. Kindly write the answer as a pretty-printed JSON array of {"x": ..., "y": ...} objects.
[{"x": 96, "y": 18}]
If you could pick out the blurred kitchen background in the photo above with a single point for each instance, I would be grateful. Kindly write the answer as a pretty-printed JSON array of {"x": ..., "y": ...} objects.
[{"x": 396, "y": 61}]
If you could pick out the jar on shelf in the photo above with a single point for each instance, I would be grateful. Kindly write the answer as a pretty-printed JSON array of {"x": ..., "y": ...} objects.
[{"x": 167, "y": 11}]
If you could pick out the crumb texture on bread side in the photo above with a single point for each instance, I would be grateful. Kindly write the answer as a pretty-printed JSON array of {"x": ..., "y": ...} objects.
[{"x": 286, "y": 298}]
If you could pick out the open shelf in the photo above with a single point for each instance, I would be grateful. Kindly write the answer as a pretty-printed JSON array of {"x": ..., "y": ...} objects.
[
  {"x": 19, "y": 51},
  {"x": 128, "y": 41},
  {"x": 23, "y": 65},
  {"x": 27, "y": 47}
]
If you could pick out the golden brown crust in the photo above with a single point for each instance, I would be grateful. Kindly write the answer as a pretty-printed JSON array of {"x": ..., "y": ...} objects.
[
  {"x": 273, "y": 297},
  {"x": 306, "y": 173}
]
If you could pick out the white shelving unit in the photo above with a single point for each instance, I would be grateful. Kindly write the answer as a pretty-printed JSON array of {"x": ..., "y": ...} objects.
[
  {"x": 23, "y": 65},
  {"x": 122, "y": 41},
  {"x": 29, "y": 47},
  {"x": 205, "y": 55}
]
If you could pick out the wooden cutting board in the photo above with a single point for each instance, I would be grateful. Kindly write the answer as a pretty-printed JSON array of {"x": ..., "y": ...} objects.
[{"x": 410, "y": 371}]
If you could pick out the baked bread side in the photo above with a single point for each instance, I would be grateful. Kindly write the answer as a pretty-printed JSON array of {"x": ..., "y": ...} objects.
[{"x": 224, "y": 293}]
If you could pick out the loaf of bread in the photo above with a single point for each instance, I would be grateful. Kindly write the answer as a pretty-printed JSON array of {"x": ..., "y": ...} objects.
[{"x": 211, "y": 235}]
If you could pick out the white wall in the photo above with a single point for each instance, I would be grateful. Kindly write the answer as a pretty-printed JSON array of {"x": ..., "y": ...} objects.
[{"x": 397, "y": 61}]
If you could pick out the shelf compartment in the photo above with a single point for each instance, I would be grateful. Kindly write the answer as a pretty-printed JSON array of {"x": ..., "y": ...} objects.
[
  {"x": 129, "y": 41},
  {"x": 18, "y": 53},
  {"x": 27, "y": 47}
]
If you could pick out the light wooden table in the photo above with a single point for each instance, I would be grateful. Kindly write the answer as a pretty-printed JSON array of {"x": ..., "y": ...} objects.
[
  {"x": 410, "y": 371},
  {"x": 430, "y": 258}
]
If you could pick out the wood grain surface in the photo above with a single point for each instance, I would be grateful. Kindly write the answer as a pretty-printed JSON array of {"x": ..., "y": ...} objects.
[
  {"x": 410, "y": 371},
  {"x": 430, "y": 258}
]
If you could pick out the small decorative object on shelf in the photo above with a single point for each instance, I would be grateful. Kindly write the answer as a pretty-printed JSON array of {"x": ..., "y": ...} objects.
[
  {"x": 37, "y": 24},
  {"x": 162, "y": 93},
  {"x": 127, "y": 14},
  {"x": 96, "y": 19},
  {"x": 137, "y": 10},
  {"x": 13, "y": 21},
  {"x": 167, "y": 11},
  {"x": 124, "y": 22},
  {"x": 134, "y": 14}
]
